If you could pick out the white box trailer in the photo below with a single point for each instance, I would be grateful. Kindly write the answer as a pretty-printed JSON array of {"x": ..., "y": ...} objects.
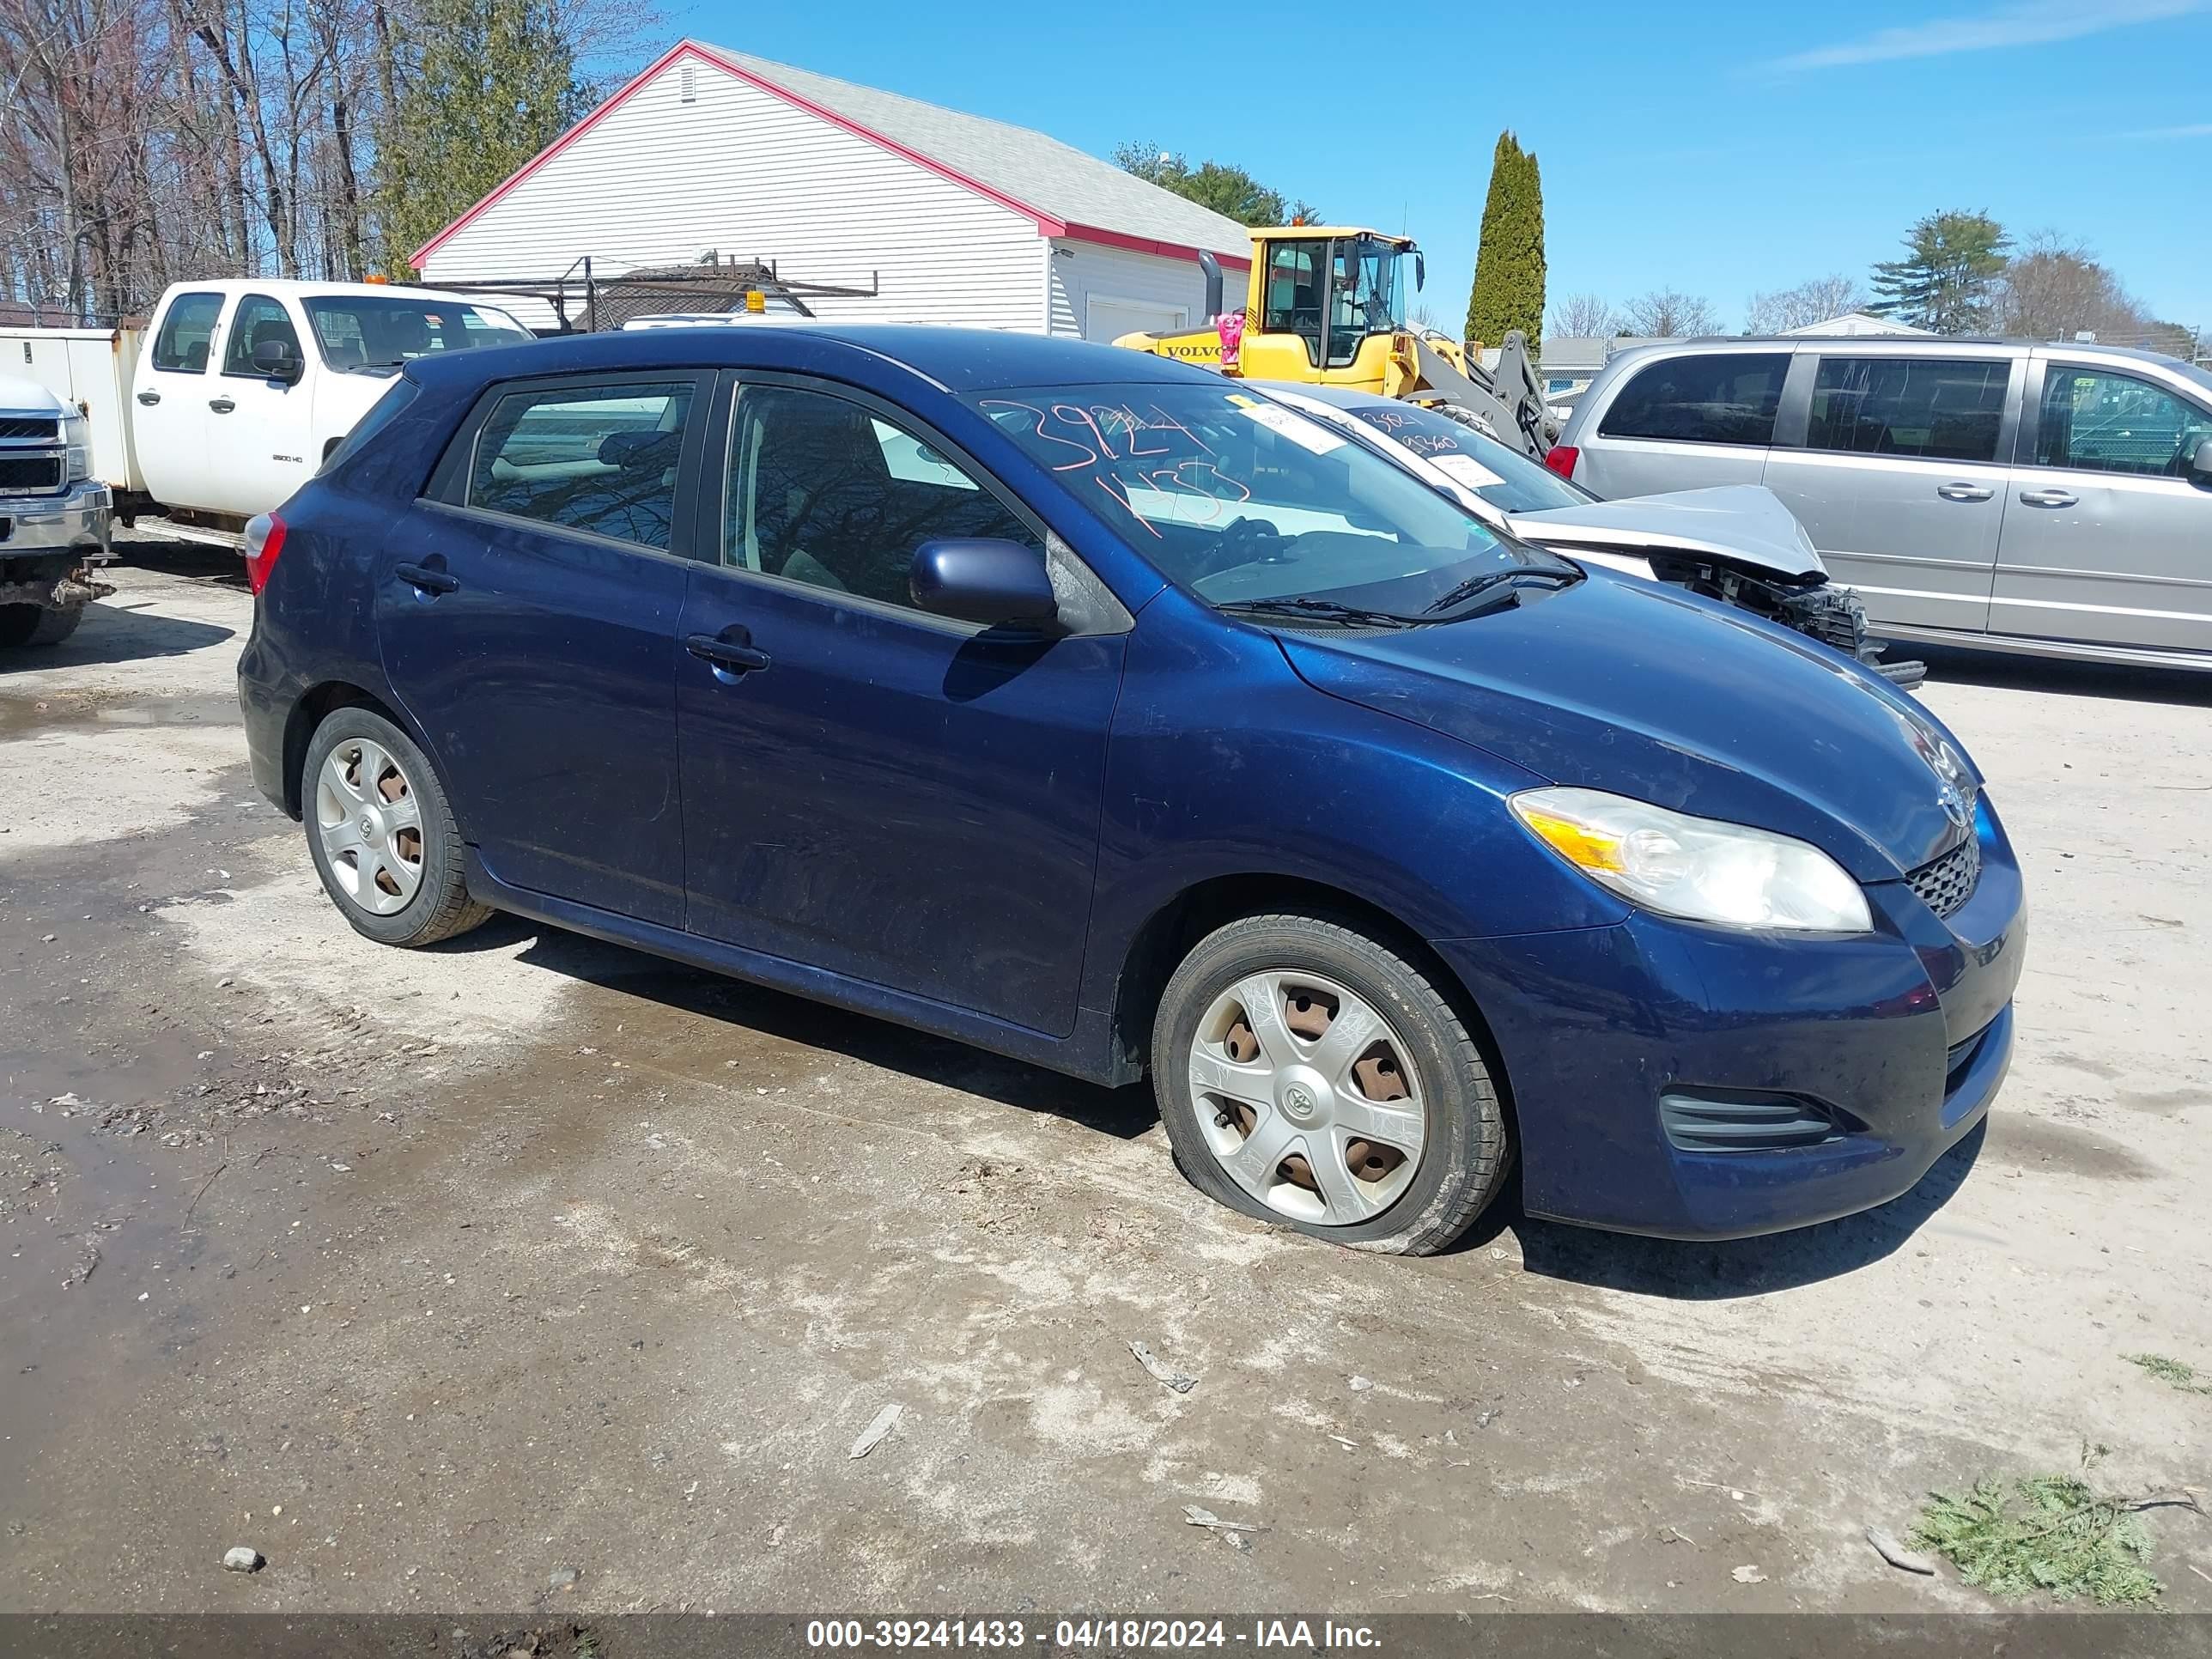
[{"x": 92, "y": 369}]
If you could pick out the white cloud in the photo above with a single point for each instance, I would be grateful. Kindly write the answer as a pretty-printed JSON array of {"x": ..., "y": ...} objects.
[{"x": 2032, "y": 23}]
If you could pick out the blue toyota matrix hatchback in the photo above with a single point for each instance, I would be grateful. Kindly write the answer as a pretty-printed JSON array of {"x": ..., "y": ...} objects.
[{"x": 1094, "y": 709}]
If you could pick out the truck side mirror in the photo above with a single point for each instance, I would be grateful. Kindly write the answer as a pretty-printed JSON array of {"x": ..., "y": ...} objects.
[
  {"x": 278, "y": 360},
  {"x": 2200, "y": 465}
]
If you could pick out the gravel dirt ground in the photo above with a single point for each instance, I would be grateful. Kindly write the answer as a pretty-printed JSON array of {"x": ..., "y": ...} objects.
[{"x": 529, "y": 1273}]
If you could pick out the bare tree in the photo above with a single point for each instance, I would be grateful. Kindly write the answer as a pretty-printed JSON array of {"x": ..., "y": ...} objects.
[
  {"x": 1780, "y": 310},
  {"x": 1582, "y": 317},
  {"x": 1667, "y": 313}
]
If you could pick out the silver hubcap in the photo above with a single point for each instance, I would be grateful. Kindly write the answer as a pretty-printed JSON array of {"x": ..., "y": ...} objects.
[
  {"x": 371, "y": 825},
  {"x": 1308, "y": 1098}
]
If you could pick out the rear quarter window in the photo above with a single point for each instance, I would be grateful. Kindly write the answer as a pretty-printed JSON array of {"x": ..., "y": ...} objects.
[{"x": 1707, "y": 398}]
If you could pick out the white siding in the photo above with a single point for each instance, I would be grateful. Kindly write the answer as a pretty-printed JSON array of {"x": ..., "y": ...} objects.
[
  {"x": 660, "y": 181},
  {"x": 1080, "y": 269}
]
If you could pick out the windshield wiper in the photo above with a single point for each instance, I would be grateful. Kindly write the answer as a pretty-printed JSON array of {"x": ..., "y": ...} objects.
[
  {"x": 1490, "y": 578},
  {"x": 1322, "y": 609}
]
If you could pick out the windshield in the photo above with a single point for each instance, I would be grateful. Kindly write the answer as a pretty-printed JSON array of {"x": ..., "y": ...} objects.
[
  {"x": 1239, "y": 500},
  {"x": 365, "y": 332},
  {"x": 1505, "y": 477}
]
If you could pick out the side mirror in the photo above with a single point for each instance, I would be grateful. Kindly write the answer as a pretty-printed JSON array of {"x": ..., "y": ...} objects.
[
  {"x": 982, "y": 581},
  {"x": 1420, "y": 271},
  {"x": 278, "y": 360},
  {"x": 2200, "y": 465}
]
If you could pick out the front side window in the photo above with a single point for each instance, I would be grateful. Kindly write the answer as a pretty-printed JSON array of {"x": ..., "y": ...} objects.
[
  {"x": 1243, "y": 502},
  {"x": 369, "y": 332},
  {"x": 1704, "y": 397},
  {"x": 599, "y": 459},
  {"x": 1292, "y": 292},
  {"x": 1505, "y": 477},
  {"x": 2096, "y": 420},
  {"x": 260, "y": 320},
  {"x": 824, "y": 492},
  {"x": 1943, "y": 409},
  {"x": 188, "y": 327}
]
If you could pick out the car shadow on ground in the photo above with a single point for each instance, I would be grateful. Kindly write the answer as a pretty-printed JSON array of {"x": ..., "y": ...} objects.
[
  {"x": 2180, "y": 686},
  {"x": 124, "y": 631},
  {"x": 202, "y": 561},
  {"x": 1124, "y": 1114},
  {"x": 1710, "y": 1271}
]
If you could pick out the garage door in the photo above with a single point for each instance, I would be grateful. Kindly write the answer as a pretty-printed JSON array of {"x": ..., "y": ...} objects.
[{"x": 1106, "y": 321}]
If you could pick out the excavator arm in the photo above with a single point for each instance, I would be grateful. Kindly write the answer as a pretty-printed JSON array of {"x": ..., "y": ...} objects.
[{"x": 1427, "y": 368}]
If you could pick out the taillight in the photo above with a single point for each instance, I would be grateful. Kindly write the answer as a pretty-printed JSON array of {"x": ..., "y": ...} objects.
[
  {"x": 1562, "y": 458},
  {"x": 264, "y": 540}
]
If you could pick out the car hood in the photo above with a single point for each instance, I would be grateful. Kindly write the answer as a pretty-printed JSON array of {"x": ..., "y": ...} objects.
[
  {"x": 1745, "y": 523},
  {"x": 1651, "y": 692},
  {"x": 21, "y": 396}
]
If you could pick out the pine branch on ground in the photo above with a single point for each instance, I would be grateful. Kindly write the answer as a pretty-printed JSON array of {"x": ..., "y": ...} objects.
[{"x": 2047, "y": 1532}]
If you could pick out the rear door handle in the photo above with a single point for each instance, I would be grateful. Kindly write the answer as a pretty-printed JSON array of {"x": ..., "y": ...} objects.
[
  {"x": 149, "y": 397},
  {"x": 725, "y": 654},
  {"x": 1965, "y": 492},
  {"x": 423, "y": 579},
  {"x": 221, "y": 405},
  {"x": 2048, "y": 498}
]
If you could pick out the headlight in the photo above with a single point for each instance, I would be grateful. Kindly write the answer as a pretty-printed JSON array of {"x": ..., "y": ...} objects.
[
  {"x": 1697, "y": 868},
  {"x": 76, "y": 433}
]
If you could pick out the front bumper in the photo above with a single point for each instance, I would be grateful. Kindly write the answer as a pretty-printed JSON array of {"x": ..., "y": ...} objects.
[
  {"x": 79, "y": 519},
  {"x": 1900, "y": 1037}
]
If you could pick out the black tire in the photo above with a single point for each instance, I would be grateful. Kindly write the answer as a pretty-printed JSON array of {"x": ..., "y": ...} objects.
[
  {"x": 441, "y": 907},
  {"x": 33, "y": 625},
  {"x": 1466, "y": 1151}
]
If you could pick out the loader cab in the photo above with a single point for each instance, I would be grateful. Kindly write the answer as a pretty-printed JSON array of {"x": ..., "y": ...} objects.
[{"x": 1325, "y": 302}]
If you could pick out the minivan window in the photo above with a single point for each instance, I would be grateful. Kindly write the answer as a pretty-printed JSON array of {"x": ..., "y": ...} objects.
[
  {"x": 824, "y": 492},
  {"x": 1240, "y": 500},
  {"x": 258, "y": 320},
  {"x": 2096, "y": 420},
  {"x": 1941, "y": 408},
  {"x": 181, "y": 345},
  {"x": 600, "y": 459},
  {"x": 1701, "y": 397}
]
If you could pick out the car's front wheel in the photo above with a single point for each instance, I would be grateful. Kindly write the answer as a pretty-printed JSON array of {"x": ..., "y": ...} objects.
[
  {"x": 381, "y": 832},
  {"x": 1312, "y": 1075}
]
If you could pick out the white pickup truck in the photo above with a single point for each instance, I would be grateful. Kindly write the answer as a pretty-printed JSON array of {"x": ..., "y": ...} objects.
[
  {"x": 229, "y": 401},
  {"x": 54, "y": 516}
]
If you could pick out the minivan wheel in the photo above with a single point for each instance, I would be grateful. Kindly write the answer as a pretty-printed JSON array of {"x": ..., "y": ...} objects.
[
  {"x": 1309, "y": 1075},
  {"x": 382, "y": 834}
]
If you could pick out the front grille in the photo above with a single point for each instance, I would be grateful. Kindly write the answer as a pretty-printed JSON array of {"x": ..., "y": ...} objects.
[
  {"x": 19, "y": 426},
  {"x": 1771, "y": 1123},
  {"x": 30, "y": 472},
  {"x": 1947, "y": 883}
]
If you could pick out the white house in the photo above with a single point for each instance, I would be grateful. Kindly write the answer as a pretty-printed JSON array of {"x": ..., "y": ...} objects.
[{"x": 957, "y": 219}]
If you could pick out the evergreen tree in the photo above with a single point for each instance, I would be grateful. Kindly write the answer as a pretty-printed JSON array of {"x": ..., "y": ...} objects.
[
  {"x": 1509, "y": 266},
  {"x": 1230, "y": 190},
  {"x": 493, "y": 83},
  {"x": 1948, "y": 277}
]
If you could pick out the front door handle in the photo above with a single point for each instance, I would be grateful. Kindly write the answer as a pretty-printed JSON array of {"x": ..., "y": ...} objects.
[
  {"x": 2048, "y": 498},
  {"x": 726, "y": 654},
  {"x": 1965, "y": 492},
  {"x": 149, "y": 397},
  {"x": 221, "y": 405},
  {"x": 423, "y": 579}
]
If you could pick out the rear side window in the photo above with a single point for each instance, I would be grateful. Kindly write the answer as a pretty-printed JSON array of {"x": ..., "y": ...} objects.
[
  {"x": 181, "y": 345},
  {"x": 1940, "y": 408},
  {"x": 1707, "y": 398},
  {"x": 600, "y": 459},
  {"x": 2096, "y": 420}
]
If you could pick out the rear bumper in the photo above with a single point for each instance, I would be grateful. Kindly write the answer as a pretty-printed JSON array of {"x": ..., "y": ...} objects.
[
  {"x": 1899, "y": 1039},
  {"x": 77, "y": 520}
]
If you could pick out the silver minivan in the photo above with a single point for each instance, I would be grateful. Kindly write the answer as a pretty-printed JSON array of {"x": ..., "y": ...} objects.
[{"x": 2049, "y": 499}]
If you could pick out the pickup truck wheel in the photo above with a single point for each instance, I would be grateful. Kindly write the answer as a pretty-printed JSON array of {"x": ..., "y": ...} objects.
[
  {"x": 381, "y": 832},
  {"x": 36, "y": 625},
  {"x": 1309, "y": 1075}
]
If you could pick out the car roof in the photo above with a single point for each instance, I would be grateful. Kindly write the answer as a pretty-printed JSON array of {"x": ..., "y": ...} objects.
[
  {"x": 1889, "y": 345},
  {"x": 954, "y": 359},
  {"x": 302, "y": 287}
]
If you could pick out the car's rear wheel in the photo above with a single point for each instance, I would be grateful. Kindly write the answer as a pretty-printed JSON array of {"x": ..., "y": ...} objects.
[
  {"x": 1312, "y": 1075},
  {"x": 381, "y": 832}
]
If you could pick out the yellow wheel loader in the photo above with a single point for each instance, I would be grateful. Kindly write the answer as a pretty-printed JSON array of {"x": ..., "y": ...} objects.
[{"x": 1325, "y": 305}]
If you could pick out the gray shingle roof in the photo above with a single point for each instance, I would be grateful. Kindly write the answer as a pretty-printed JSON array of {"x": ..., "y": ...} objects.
[{"x": 1057, "y": 179}]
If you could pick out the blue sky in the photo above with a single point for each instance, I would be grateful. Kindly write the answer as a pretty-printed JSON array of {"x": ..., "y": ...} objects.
[{"x": 1719, "y": 149}]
